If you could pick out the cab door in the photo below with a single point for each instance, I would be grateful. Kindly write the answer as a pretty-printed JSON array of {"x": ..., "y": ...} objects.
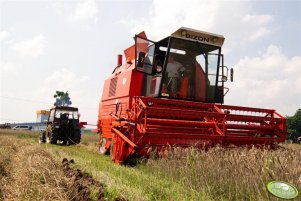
[{"x": 144, "y": 51}]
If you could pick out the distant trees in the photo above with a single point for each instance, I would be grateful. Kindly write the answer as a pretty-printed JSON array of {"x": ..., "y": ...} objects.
[
  {"x": 62, "y": 98},
  {"x": 294, "y": 126}
]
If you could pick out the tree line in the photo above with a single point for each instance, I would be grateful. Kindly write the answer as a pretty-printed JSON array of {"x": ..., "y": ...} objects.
[{"x": 294, "y": 126}]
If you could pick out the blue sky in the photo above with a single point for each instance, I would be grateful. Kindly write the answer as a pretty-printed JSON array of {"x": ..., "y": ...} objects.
[{"x": 72, "y": 45}]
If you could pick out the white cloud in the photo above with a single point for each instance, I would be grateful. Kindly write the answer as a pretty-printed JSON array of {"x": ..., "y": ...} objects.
[
  {"x": 65, "y": 79},
  {"x": 270, "y": 80},
  {"x": 85, "y": 10},
  {"x": 259, "y": 33},
  {"x": 77, "y": 11},
  {"x": 3, "y": 35},
  {"x": 233, "y": 20},
  {"x": 161, "y": 21},
  {"x": 60, "y": 7},
  {"x": 7, "y": 68},
  {"x": 259, "y": 21},
  {"x": 32, "y": 47}
]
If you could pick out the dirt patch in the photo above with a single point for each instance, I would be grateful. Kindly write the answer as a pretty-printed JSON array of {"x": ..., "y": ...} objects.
[{"x": 82, "y": 186}]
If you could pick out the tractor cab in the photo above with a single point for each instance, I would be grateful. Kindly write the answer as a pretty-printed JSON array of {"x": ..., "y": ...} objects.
[
  {"x": 186, "y": 65},
  {"x": 63, "y": 115}
]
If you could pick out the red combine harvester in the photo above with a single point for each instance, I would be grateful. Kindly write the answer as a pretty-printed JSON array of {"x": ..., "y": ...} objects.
[{"x": 171, "y": 92}]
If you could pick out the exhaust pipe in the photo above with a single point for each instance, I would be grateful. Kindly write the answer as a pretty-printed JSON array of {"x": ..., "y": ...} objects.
[{"x": 119, "y": 60}]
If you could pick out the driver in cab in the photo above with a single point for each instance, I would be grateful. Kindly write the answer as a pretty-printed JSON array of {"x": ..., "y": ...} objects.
[{"x": 173, "y": 75}]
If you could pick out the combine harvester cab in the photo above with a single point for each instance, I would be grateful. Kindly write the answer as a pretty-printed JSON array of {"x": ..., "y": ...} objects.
[{"x": 171, "y": 92}]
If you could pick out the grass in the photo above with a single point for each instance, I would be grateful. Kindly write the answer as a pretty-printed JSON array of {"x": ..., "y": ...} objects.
[{"x": 183, "y": 174}]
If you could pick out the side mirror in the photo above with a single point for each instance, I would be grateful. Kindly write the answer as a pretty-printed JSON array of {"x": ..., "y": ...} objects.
[
  {"x": 231, "y": 74},
  {"x": 224, "y": 75},
  {"x": 141, "y": 58}
]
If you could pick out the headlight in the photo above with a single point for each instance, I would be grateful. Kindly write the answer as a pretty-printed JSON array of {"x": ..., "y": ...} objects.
[{"x": 57, "y": 127}]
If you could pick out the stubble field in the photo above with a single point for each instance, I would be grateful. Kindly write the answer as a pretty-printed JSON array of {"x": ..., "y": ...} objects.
[{"x": 32, "y": 171}]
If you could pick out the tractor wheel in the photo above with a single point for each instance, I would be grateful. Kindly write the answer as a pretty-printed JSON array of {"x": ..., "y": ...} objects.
[
  {"x": 102, "y": 146},
  {"x": 74, "y": 138},
  {"x": 77, "y": 136},
  {"x": 51, "y": 135},
  {"x": 70, "y": 137},
  {"x": 42, "y": 138}
]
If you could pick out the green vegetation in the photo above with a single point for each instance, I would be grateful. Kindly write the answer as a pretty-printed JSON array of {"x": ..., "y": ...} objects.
[
  {"x": 62, "y": 98},
  {"x": 294, "y": 126},
  {"x": 218, "y": 174}
]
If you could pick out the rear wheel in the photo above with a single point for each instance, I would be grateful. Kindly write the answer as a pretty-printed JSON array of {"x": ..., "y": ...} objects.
[
  {"x": 74, "y": 137},
  {"x": 51, "y": 135},
  {"x": 77, "y": 136}
]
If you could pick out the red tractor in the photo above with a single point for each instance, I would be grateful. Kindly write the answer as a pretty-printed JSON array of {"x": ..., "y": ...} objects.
[{"x": 171, "y": 92}]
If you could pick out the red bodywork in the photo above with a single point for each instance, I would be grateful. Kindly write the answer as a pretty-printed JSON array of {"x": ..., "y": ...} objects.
[{"x": 140, "y": 124}]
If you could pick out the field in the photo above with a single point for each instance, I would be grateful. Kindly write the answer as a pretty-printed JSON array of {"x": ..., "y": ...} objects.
[{"x": 32, "y": 171}]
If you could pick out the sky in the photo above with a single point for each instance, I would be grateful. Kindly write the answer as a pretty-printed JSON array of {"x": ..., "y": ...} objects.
[{"x": 51, "y": 45}]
